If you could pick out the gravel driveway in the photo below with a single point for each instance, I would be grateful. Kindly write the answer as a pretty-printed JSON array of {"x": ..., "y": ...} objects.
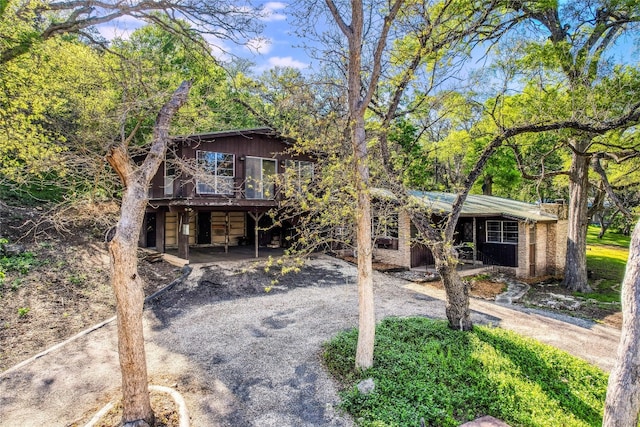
[{"x": 239, "y": 355}]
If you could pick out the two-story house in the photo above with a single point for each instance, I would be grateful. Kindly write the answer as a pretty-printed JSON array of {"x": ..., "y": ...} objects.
[{"x": 214, "y": 189}]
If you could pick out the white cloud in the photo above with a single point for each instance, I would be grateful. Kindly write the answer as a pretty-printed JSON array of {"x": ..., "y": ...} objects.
[
  {"x": 272, "y": 10},
  {"x": 286, "y": 61},
  {"x": 260, "y": 45},
  {"x": 121, "y": 27}
]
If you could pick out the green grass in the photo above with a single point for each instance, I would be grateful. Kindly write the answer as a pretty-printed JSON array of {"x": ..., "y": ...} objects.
[
  {"x": 423, "y": 369},
  {"x": 607, "y": 260},
  {"x": 609, "y": 238}
]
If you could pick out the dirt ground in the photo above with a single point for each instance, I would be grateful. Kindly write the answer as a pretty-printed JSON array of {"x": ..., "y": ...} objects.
[{"x": 65, "y": 289}]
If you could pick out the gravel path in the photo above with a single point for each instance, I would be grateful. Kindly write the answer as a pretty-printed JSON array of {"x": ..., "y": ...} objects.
[{"x": 239, "y": 355}]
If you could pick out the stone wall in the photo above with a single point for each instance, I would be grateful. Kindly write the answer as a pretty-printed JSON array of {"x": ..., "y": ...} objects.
[
  {"x": 522, "y": 270},
  {"x": 401, "y": 256},
  {"x": 543, "y": 245}
]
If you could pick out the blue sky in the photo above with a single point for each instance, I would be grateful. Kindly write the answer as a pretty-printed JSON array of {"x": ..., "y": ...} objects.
[{"x": 275, "y": 47}]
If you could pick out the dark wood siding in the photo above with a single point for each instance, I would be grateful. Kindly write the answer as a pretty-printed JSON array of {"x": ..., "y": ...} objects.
[
  {"x": 241, "y": 146},
  {"x": 420, "y": 256},
  {"x": 495, "y": 253}
]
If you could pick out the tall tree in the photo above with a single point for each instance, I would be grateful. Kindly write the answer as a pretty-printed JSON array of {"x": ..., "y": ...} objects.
[
  {"x": 127, "y": 283},
  {"x": 361, "y": 84},
  {"x": 622, "y": 402},
  {"x": 576, "y": 39},
  {"x": 24, "y": 23}
]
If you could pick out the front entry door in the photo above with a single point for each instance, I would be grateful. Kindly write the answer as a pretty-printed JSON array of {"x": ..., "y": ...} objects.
[{"x": 204, "y": 228}]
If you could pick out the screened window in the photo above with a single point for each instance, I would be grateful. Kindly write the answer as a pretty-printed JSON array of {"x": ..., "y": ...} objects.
[
  {"x": 502, "y": 232},
  {"x": 261, "y": 178},
  {"x": 216, "y": 174}
]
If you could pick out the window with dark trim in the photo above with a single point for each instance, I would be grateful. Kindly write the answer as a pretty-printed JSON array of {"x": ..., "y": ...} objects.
[
  {"x": 300, "y": 173},
  {"x": 261, "y": 178},
  {"x": 218, "y": 172},
  {"x": 502, "y": 232}
]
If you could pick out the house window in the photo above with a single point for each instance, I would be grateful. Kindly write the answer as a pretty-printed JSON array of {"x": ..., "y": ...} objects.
[
  {"x": 169, "y": 175},
  {"x": 261, "y": 178},
  {"x": 502, "y": 232},
  {"x": 216, "y": 173},
  {"x": 301, "y": 172}
]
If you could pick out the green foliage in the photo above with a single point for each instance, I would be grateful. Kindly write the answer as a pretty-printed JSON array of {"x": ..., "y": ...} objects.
[
  {"x": 23, "y": 311},
  {"x": 609, "y": 238},
  {"x": 77, "y": 279},
  {"x": 423, "y": 369},
  {"x": 55, "y": 111},
  {"x": 21, "y": 263},
  {"x": 607, "y": 265}
]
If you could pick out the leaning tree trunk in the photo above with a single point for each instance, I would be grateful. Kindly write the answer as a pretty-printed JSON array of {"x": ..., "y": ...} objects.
[
  {"x": 623, "y": 391},
  {"x": 127, "y": 285},
  {"x": 575, "y": 271},
  {"x": 128, "y": 289},
  {"x": 457, "y": 290}
]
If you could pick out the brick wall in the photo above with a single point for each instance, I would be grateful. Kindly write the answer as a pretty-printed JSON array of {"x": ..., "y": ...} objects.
[
  {"x": 542, "y": 248},
  {"x": 401, "y": 256},
  {"x": 522, "y": 270}
]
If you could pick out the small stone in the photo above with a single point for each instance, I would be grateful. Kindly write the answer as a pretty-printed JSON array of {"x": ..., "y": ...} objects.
[
  {"x": 366, "y": 386},
  {"x": 13, "y": 249}
]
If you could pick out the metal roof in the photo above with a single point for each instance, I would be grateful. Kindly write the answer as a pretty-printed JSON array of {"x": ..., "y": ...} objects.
[
  {"x": 481, "y": 205},
  {"x": 230, "y": 132}
]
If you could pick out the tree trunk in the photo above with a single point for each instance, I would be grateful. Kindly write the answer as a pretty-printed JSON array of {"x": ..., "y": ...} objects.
[
  {"x": 123, "y": 250},
  {"x": 366, "y": 310},
  {"x": 575, "y": 272},
  {"x": 457, "y": 290},
  {"x": 623, "y": 391},
  {"x": 487, "y": 185},
  {"x": 128, "y": 290}
]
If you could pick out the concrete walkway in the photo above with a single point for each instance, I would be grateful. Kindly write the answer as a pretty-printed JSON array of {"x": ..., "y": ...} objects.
[{"x": 251, "y": 361}]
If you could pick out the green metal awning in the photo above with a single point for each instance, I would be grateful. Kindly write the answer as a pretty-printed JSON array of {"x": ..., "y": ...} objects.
[{"x": 483, "y": 206}]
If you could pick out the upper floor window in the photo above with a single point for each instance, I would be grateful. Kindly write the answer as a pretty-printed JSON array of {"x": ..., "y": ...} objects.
[
  {"x": 216, "y": 174},
  {"x": 261, "y": 178},
  {"x": 169, "y": 174},
  {"x": 502, "y": 232},
  {"x": 300, "y": 172}
]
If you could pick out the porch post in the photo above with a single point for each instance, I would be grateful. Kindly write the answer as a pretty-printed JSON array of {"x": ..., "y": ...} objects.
[
  {"x": 475, "y": 243},
  {"x": 183, "y": 235},
  {"x": 256, "y": 217},
  {"x": 160, "y": 215},
  {"x": 226, "y": 232}
]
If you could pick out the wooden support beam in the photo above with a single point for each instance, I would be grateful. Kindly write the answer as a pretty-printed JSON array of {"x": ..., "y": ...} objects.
[
  {"x": 475, "y": 243},
  {"x": 256, "y": 217},
  {"x": 183, "y": 235},
  {"x": 160, "y": 243}
]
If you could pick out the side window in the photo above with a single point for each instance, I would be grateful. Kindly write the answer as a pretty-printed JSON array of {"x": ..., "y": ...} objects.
[
  {"x": 216, "y": 174},
  {"x": 261, "y": 178},
  {"x": 502, "y": 232}
]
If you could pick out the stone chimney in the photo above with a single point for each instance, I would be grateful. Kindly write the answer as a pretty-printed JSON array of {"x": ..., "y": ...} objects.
[{"x": 559, "y": 209}]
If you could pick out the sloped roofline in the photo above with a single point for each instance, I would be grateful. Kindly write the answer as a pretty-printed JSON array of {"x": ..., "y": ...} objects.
[
  {"x": 476, "y": 205},
  {"x": 482, "y": 205},
  {"x": 233, "y": 132}
]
